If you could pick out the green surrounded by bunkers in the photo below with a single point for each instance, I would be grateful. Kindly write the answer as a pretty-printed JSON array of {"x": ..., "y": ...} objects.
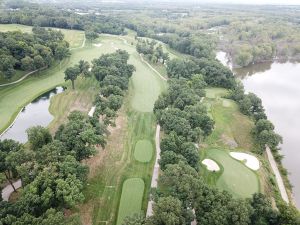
[
  {"x": 234, "y": 177},
  {"x": 143, "y": 151},
  {"x": 131, "y": 198}
]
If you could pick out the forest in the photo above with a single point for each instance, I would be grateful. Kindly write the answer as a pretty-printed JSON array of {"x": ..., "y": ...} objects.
[{"x": 30, "y": 52}]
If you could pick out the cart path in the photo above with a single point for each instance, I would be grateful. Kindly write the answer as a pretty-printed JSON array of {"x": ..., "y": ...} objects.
[
  {"x": 8, "y": 190},
  {"x": 277, "y": 175},
  {"x": 155, "y": 170}
]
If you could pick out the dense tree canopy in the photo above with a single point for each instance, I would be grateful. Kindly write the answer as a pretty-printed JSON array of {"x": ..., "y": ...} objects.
[{"x": 22, "y": 51}]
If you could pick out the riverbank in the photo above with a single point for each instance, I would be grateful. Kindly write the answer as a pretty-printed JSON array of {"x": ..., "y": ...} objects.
[{"x": 266, "y": 81}]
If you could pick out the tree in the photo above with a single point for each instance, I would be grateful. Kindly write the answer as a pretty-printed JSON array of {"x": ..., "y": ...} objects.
[
  {"x": 68, "y": 191},
  {"x": 62, "y": 51},
  {"x": 168, "y": 211},
  {"x": 135, "y": 219},
  {"x": 91, "y": 35},
  {"x": 27, "y": 63},
  {"x": 79, "y": 136},
  {"x": 38, "y": 62},
  {"x": 84, "y": 67},
  {"x": 38, "y": 137},
  {"x": 72, "y": 73},
  {"x": 263, "y": 213},
  {"x": 289, "y": 215},
  {"x": 7, "y": 147}
]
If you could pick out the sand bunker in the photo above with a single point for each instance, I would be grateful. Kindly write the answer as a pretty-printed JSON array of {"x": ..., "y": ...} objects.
[
  {"x": 211, "y": 165},
  {"x": 98, "y": 45},
  {"x": 250, "y": 160}
]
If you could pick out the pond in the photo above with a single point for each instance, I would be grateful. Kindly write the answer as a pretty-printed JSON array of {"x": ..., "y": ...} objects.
[
  {"x": 35, "y": 113},
  {"x": 278, "y": 85}
]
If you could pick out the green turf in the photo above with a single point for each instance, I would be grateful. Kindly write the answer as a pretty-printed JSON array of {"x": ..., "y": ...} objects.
[
  {"x": 19, "y": 74},
  {"x": 143, "y": 151},
  {"x": 74, "y": 37},
  {"x": 145, "y": 86},
  {"x": 215, "y": 92},
  {"x": 131, "y": 199},
  {"x": 231, "y": 128},
  {"x": 235, "y": 178}
]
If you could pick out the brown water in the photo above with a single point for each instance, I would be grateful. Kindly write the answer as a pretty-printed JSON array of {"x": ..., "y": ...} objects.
[{"x": 278, "y": 85}]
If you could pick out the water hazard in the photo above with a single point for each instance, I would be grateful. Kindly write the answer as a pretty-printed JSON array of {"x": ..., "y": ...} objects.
[{"x": 35, "y": 113}]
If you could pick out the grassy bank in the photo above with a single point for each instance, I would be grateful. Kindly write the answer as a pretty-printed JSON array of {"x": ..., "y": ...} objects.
[{"x": 13, "y": 98}]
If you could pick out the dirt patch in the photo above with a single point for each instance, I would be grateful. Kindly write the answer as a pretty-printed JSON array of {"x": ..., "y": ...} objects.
[
  {"x": 229, "y": 141},
  {"x": 114, "y": 143}
]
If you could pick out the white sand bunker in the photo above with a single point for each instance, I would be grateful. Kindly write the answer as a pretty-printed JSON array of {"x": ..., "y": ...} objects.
[
  {"x": 250, "y": 160},
  {"x": 98, "y": 45},
  {"x": 211, "y": 165}
]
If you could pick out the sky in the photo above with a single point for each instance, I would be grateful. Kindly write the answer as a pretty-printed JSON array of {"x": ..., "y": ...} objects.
[{"x": 254, "y": 2}]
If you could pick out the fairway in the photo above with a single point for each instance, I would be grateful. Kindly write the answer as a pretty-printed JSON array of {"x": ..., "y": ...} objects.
[
  {"x": 131, "y": 198},
  {"x": 143, "y": 151},
  {"x": 74, "y": 37},
  {"x": 236, "y": 178}
]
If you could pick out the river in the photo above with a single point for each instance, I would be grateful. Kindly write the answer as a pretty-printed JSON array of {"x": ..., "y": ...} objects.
[
  {"x": 34, "y": 114},
  {"x": 278, "y": 85}
]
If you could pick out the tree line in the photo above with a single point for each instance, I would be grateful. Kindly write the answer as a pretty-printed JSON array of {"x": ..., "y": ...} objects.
[
  {"x": 152, "y": 51},
  {"x": 49, "y": 166},
  {"x": 28, "y": 52},
  {"x": 50, "y": 170},
  {"x": 184, "y": 195},
  {"x": 113, "y": 72},
  {"x": 51, "y": 16}
]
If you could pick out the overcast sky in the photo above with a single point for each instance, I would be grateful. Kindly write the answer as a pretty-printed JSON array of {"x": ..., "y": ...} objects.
[
  {"x": 275, "y": 2},
  {"x": 261, "y": 2}
]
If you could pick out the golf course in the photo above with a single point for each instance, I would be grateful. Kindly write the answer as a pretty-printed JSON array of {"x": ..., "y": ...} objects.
[
  {"x": 229, "y": 133},
  {"x": 120, "y": 175}
]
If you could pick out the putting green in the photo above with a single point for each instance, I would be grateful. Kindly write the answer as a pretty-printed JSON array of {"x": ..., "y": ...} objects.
[
  {"x": 143, "y": 151},
  {"x": 236, "y": 178},
  {"x": 131, "y": 198}
]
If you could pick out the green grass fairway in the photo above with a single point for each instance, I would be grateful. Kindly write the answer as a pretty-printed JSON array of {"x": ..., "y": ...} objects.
[
  {"x": 15, "y": 27},
  {"x": 215, "y": 92},
  {"x": 74, "y": 37},
  {"x": 19, "y": 74},
  {"x": 230, "y": 124},
  {"x": 143, "y": 151},
  {"x": 136, "y": 122},
  {"x": 131, "y": 199},
  {"x": 235, "y": 177}
]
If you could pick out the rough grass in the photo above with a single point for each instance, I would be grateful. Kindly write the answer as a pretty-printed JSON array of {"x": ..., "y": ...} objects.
[
  {"x": 80, "y": 99},
  {"x": 230, "y": 124},
  {"x": 131, "y": 198},
  {"x": 234, "y": 177},
  {"x": 143, "y": 151}
]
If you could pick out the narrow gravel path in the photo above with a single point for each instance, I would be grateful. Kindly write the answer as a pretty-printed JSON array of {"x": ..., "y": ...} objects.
[
  {"x": 82, "y": 46},
  {"x": 277, "y": 175},
  {"x": 22, "y": 78},
  {"x": 155, "y": 169},
  {"x": 161, "y": 76},
  {"x": 8, "y": 190}
]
